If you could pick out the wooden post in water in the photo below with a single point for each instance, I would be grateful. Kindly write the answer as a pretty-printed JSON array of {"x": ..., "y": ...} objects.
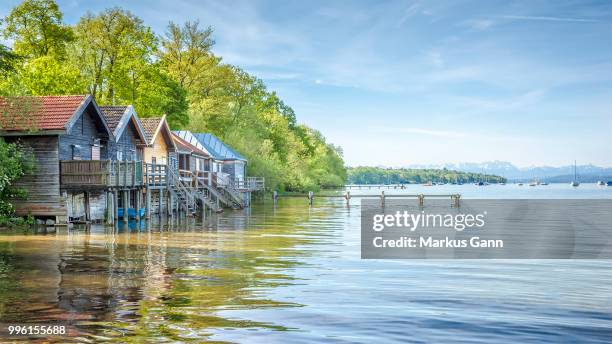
[
  {"x": 275, "y": 197},
  {"x": 421, "y": 200},
  {"x": 109, "y": 208},
  {"x": 310, "y": 198},
  {"x": 148, "y": 200},
  {"x": 138, "y": 197},
  {"x": 115, "y": 206},
  {"x": 126, "y": 205},
  {"x": 456, "y": 198},
  {"x": 347, "y": 197},
  {"x": 382, "y": 198}
]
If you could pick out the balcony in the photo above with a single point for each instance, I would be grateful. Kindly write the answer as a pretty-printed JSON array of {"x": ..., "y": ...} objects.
[{"x": 100, "y": 174}]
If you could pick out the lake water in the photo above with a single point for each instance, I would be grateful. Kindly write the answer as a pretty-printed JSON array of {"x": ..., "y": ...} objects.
[{"x": 293, "y": 273}]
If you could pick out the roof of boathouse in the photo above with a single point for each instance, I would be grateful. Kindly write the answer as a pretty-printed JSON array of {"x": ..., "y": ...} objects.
[
  {"x": 217, "y": 148},
  {"x": 118, "y": 118},
  {"x": 152, "y": 126},
  {"x": 186, "y": 147},
  {"x": 44, "y": 113}
]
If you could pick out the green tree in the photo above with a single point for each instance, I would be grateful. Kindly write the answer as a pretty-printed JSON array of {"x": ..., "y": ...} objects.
[
  {"x": 16, "y": 162},
  {"x": 37, "y": 29}
]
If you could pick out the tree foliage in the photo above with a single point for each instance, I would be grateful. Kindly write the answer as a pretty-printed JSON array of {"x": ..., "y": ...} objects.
[
  {"x": 377, "y": 175},
  {"x": 16, "y": 161},
  {"x": 117, "y": 58}
]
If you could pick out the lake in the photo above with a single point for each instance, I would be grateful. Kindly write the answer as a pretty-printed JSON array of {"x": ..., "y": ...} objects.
[{"x": 293, "y": 273}]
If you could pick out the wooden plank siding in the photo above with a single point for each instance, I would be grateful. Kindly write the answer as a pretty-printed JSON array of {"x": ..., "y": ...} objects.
[
  {"x": 84, "y": 133},
  {"x": 159, "y": 151},
  {"x": 128, "y": 145},
  {"x": 42, "y": 186}
]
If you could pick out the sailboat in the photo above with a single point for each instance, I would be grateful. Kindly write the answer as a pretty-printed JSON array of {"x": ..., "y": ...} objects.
[{"x": 575, "y": 182}]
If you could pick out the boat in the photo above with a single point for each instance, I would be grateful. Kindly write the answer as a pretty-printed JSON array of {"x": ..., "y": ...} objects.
[
  {"x": 575, "y": 182},
  {"x": 609, "y": 183},
  {"x": 543, "y": 183},
  {"x": 480, "y": 183},
  {"x": 520, "y": 184},
  {"x": 601, "y": 183},
  {"x": 429, "y": 184}
]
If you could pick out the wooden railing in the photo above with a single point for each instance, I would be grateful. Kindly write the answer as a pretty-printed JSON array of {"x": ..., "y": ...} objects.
[
  {"x": 156, "y": 175},
  {"x": 100, "y": 173},
  {"x": 250, "y": 184}
]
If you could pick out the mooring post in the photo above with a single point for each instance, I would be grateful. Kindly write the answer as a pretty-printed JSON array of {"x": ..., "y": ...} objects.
[
  {"x": 347, "y": 197},
  {"x": 421, "y": 200},
  {"x": 456, "y": 198},
  {"x": 310, "y": 197},
  {"x": 275, "y": 197},
  {"x": 382, "y": 198}
]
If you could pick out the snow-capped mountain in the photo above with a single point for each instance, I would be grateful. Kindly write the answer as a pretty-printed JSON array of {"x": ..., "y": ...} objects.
[{"x": 508, "y": 170}]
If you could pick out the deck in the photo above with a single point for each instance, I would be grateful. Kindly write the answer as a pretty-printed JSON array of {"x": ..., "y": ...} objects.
[{"x": 101, "y": 174}]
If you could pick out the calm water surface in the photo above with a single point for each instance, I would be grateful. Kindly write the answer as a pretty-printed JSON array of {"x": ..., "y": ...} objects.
[{"x": 291, "y": 273}]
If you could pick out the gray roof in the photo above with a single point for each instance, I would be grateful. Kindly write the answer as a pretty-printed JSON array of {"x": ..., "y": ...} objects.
[{"x": 210, "y": 143}]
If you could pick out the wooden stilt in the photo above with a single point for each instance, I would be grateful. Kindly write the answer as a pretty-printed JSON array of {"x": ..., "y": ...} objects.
[
  {"x": 138, "y": 193},
  {"x": 148, "y": 197},
  {"x": 115, "y": 206},
  {"x": 126, "y": 204}
]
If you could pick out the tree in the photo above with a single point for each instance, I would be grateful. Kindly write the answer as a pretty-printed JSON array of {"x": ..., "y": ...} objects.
[
  {"x": 16, "y": 162},
  {"x": 112, "y": 50},
  {"x": 185, "y": 50},
  {"x": 37, "y": 29}
]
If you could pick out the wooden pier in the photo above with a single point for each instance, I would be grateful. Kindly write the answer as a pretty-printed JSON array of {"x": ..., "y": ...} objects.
[{"x": 382, "y": 196}]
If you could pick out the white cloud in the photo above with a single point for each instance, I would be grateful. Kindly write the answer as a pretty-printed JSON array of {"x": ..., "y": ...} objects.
[{"x": 547, "y": 18}]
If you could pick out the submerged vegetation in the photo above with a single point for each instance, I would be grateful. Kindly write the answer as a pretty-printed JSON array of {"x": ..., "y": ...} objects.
[
  {"x": 377, "y": 175},
  {"x": 117, "y": 58}
]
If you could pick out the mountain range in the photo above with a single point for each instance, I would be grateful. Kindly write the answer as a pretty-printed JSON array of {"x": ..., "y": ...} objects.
[{"x": 586, "y": 173}]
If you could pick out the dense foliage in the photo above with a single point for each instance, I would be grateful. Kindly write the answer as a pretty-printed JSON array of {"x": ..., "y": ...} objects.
[
  {"x": 16, "y": 162},
  {"x": 377, "y": 175},
  {"x": 116, "y": 57}
]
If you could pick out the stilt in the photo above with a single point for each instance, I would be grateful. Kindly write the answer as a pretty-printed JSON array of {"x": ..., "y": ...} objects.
[
  {"x": 87, "y": 206},
  {"x": 110, "y": 208},
  {"x": 382, "y": 198},
  {"x": 126, "y": 204},
  {"x": 115, "y": 206},
  {"x": 148, "y": 205},
  {"x": 310, "y": 197},
  {"x": 138, "y": 197},
  {"x": 347, "y": 197}
]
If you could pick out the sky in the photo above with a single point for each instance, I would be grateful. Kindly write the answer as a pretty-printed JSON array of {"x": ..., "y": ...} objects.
[{"x": 396, "y": 83}]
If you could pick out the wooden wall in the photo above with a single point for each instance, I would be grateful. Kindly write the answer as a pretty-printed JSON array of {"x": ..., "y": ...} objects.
[
  {"x": 127, "y": 144},
  {"x": 159, "y": 150},
  {"x": 83, "y": 133},
  {"x": 43, "y": 186}
]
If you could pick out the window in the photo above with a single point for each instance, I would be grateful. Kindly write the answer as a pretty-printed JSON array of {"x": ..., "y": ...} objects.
[
  {"x": 76, "y": 152},
  {"x": 154, "y": 160},
  {"x": 119, "y": 155}
]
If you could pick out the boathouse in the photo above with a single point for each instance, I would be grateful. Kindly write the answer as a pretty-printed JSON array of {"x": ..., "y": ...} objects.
[
  {"x": 227, "y": 168},
  {"x": 159, "y": 154},
  {"x": 69, "y": 139},
  {"x": 127, "y": 146}
]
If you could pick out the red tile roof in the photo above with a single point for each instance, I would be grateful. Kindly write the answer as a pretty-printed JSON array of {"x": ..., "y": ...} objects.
[
  {"x": 38, "y": 113},
  {"x": 150, "y": 126},
  {"x": 113, "y": 115}
]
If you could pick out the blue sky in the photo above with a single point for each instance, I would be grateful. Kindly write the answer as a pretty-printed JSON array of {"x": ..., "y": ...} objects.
[{"x": 414, "y": 82}]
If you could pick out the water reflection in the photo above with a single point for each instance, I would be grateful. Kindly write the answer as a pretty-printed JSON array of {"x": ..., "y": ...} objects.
[{"x": 167, "y": 279}]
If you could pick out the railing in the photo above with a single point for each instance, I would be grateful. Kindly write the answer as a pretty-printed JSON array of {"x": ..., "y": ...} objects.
[
  {"x": 156, "y": 175},
  {"x": 250, "y": 184},
  {"x": 100, "y": 173}
]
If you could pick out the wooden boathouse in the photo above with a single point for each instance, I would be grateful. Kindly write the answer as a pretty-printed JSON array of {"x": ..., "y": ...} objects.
[{"x": 104, "y": 163}]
